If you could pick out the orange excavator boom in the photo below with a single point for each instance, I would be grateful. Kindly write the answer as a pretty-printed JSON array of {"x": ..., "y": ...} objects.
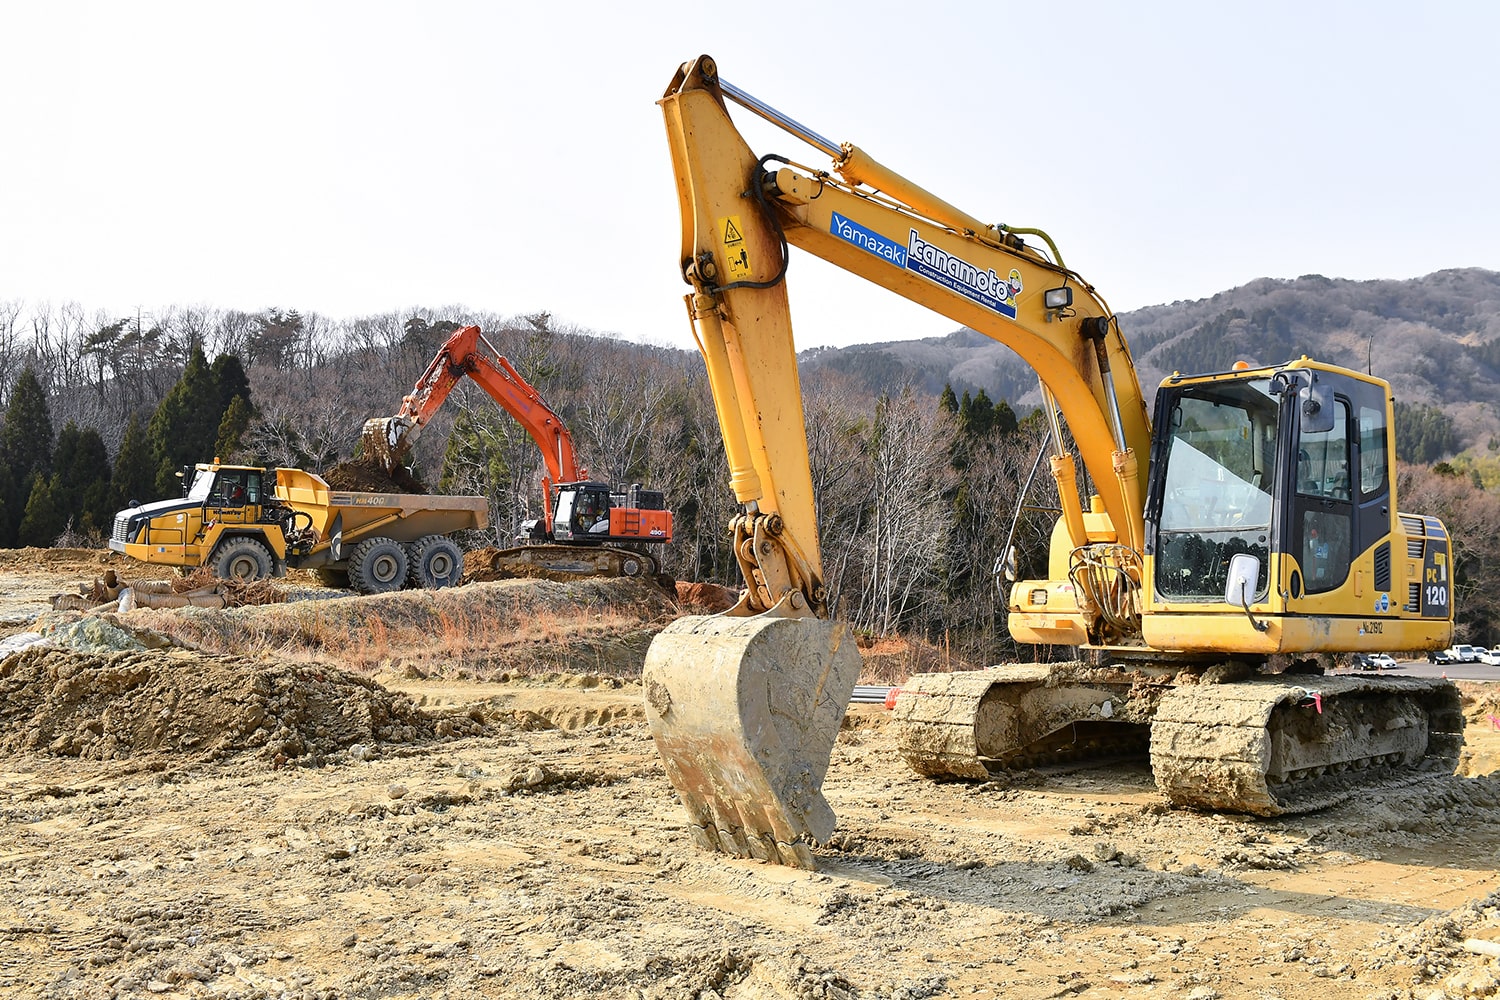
[{"x": 389, "y": 439}]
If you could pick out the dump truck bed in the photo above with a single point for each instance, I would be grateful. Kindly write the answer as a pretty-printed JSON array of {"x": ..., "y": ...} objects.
[{"x": 403, "y": 517}]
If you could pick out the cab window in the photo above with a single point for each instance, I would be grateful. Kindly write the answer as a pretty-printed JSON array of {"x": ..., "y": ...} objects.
[
  {"x": 1324, "y": 519},
  {"x": 1372, "y": 451}
]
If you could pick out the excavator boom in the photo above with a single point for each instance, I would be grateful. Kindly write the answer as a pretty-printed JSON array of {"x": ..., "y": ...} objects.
[
  {"x": 389, "y": 439},
  {"x": 738, "y": 219}
]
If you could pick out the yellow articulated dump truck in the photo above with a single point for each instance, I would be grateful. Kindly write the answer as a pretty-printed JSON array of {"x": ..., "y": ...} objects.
[{"x": 249, "y": 523}]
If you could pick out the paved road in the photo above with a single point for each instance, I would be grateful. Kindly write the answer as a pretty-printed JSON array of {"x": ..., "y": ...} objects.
[{"x": 1454, "y": 671}]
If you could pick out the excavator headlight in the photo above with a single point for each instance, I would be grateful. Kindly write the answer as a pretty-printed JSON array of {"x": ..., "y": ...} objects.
[
  {"x": 1058, "y": 298},
  {"x": 1038, "y": 596}
]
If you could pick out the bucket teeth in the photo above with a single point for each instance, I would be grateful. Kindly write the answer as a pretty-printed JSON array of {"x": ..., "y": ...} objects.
[{"x": 745, "y": 712}]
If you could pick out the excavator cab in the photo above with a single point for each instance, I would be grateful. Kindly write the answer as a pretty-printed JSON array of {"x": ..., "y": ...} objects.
[
  {"x": 1291, "y": 466},
  {"x": 581, "y": 513},
  {"x": 591, "y": 513}
]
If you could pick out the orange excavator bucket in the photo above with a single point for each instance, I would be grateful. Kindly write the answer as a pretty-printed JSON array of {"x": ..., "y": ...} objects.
[
  {"x": 745, "y": 712},
  {"x": 385, "y": 441}
]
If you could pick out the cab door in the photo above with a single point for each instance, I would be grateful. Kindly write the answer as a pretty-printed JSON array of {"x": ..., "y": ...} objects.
[{"x": 1340, "y": 501}]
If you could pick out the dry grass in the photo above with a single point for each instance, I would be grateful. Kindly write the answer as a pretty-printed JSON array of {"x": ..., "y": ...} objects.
[
  {"x": 236, "y": 594},
  {"x": 893, "y": 659},
  {"x": 516, "y": 626}
]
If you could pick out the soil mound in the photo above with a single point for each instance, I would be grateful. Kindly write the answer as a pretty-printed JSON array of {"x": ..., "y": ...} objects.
[
  {"x": 31, "y": 557},
  {"x": 523, "y": 626},
  {"x": 117, "y": 706},
  {"x": 705, "y": 598},
  {"x": 364, "y": 476}
]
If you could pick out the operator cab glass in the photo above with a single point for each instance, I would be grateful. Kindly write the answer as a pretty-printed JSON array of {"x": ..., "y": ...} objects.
[
  {"x": 1216, "y": 487},
  {"x": 226, "y": 488},
  {"x": 203, "y": 484},
  {"x": 1239, "y": 468},
  {"x": 582, "y": 509}
]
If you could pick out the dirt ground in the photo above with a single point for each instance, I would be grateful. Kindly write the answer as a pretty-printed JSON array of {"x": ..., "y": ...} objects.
[{"x": 234, "y": 822}]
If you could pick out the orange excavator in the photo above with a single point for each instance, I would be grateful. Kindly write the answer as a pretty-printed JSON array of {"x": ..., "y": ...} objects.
[{"x": 587, "y": 528}]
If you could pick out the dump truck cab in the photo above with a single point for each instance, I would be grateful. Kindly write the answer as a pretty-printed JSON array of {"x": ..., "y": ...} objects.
[{"x": 223, "y": 508}]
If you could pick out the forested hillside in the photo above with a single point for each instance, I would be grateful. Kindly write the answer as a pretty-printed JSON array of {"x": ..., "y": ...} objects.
[
  {"x": 917, "y": 486},
  {"x": 1436, "y": 339}
]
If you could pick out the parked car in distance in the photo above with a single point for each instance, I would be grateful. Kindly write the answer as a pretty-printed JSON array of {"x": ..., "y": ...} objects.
[
  {"x": 1490, "y": 656},
  {"x": 1440, "y": 656},
  {"x": 1383, "y": 661},
  {"x": 1462, "y": 653}
]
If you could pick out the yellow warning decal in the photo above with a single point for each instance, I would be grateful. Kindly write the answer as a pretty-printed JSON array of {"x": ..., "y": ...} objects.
[{"x": 736, "y": 259}]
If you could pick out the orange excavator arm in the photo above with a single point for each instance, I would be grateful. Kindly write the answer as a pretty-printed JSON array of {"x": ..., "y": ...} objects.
[{"x": 389, "y": 439}]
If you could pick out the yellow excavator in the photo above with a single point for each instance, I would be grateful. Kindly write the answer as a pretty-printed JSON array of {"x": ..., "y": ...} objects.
[{"x": 1233, "y": 540}]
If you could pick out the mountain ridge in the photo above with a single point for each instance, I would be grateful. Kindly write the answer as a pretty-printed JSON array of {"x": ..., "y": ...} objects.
[{"x": 1435, "y": 338}]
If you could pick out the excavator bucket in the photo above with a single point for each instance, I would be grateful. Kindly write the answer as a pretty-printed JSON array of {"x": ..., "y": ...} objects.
[
  {"x": 745, "y": 712},
  {"x": 385, "y": 442}
]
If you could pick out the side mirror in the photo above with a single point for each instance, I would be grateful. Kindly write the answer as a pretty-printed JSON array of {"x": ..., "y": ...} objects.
[
  {"x": 1010, "y": 565},
  {"x": 1244, "y": 571},
  {"x": 1316, "y": 405},
  {"x": 1239, "y": 588}
]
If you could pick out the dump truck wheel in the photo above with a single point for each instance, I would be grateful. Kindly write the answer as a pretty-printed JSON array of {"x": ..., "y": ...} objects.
[
  {"x": 377, "y": 565},
  {"x": 243, "y": 560},
  {"x": 436, "y": 562}
]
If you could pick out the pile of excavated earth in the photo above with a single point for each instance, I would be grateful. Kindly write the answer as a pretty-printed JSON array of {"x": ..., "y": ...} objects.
[{"x": 364, "y": 476}]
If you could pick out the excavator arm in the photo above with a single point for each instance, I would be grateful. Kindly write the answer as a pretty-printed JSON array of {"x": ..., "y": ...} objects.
[
  {"x": 389, "y": 439},
  {"x": 747, "y": 742}
]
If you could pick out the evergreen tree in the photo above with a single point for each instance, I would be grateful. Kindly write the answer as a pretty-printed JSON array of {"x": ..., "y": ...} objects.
[
  {"x": 25, "y": 450},
  {"x": 230, "y": 379},
  {"x": 185, "y": 427},
  {"x": 43, "y": 519},
  {"x": 1424, "y": 433},
  {"x": 948, "y": 402},
  {"x": 1005, "y": 421},
  {"x": 474, "y": 463},
  {"x": 67, "y": 492},
  {"x": 232, "y": 427},
  {"x": 135, "y": 473},
  {"x": 88, "y": 476}
]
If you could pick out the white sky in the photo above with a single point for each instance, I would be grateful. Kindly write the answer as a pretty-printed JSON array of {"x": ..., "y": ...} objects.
[{"x": 354, "y": 158}]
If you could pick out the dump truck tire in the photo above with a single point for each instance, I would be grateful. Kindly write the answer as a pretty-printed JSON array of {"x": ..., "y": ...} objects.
[
  {"x": 244, "y": 560},
  {"x": 436, "y": 562},
  {"x": 378, "y": 565}
]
